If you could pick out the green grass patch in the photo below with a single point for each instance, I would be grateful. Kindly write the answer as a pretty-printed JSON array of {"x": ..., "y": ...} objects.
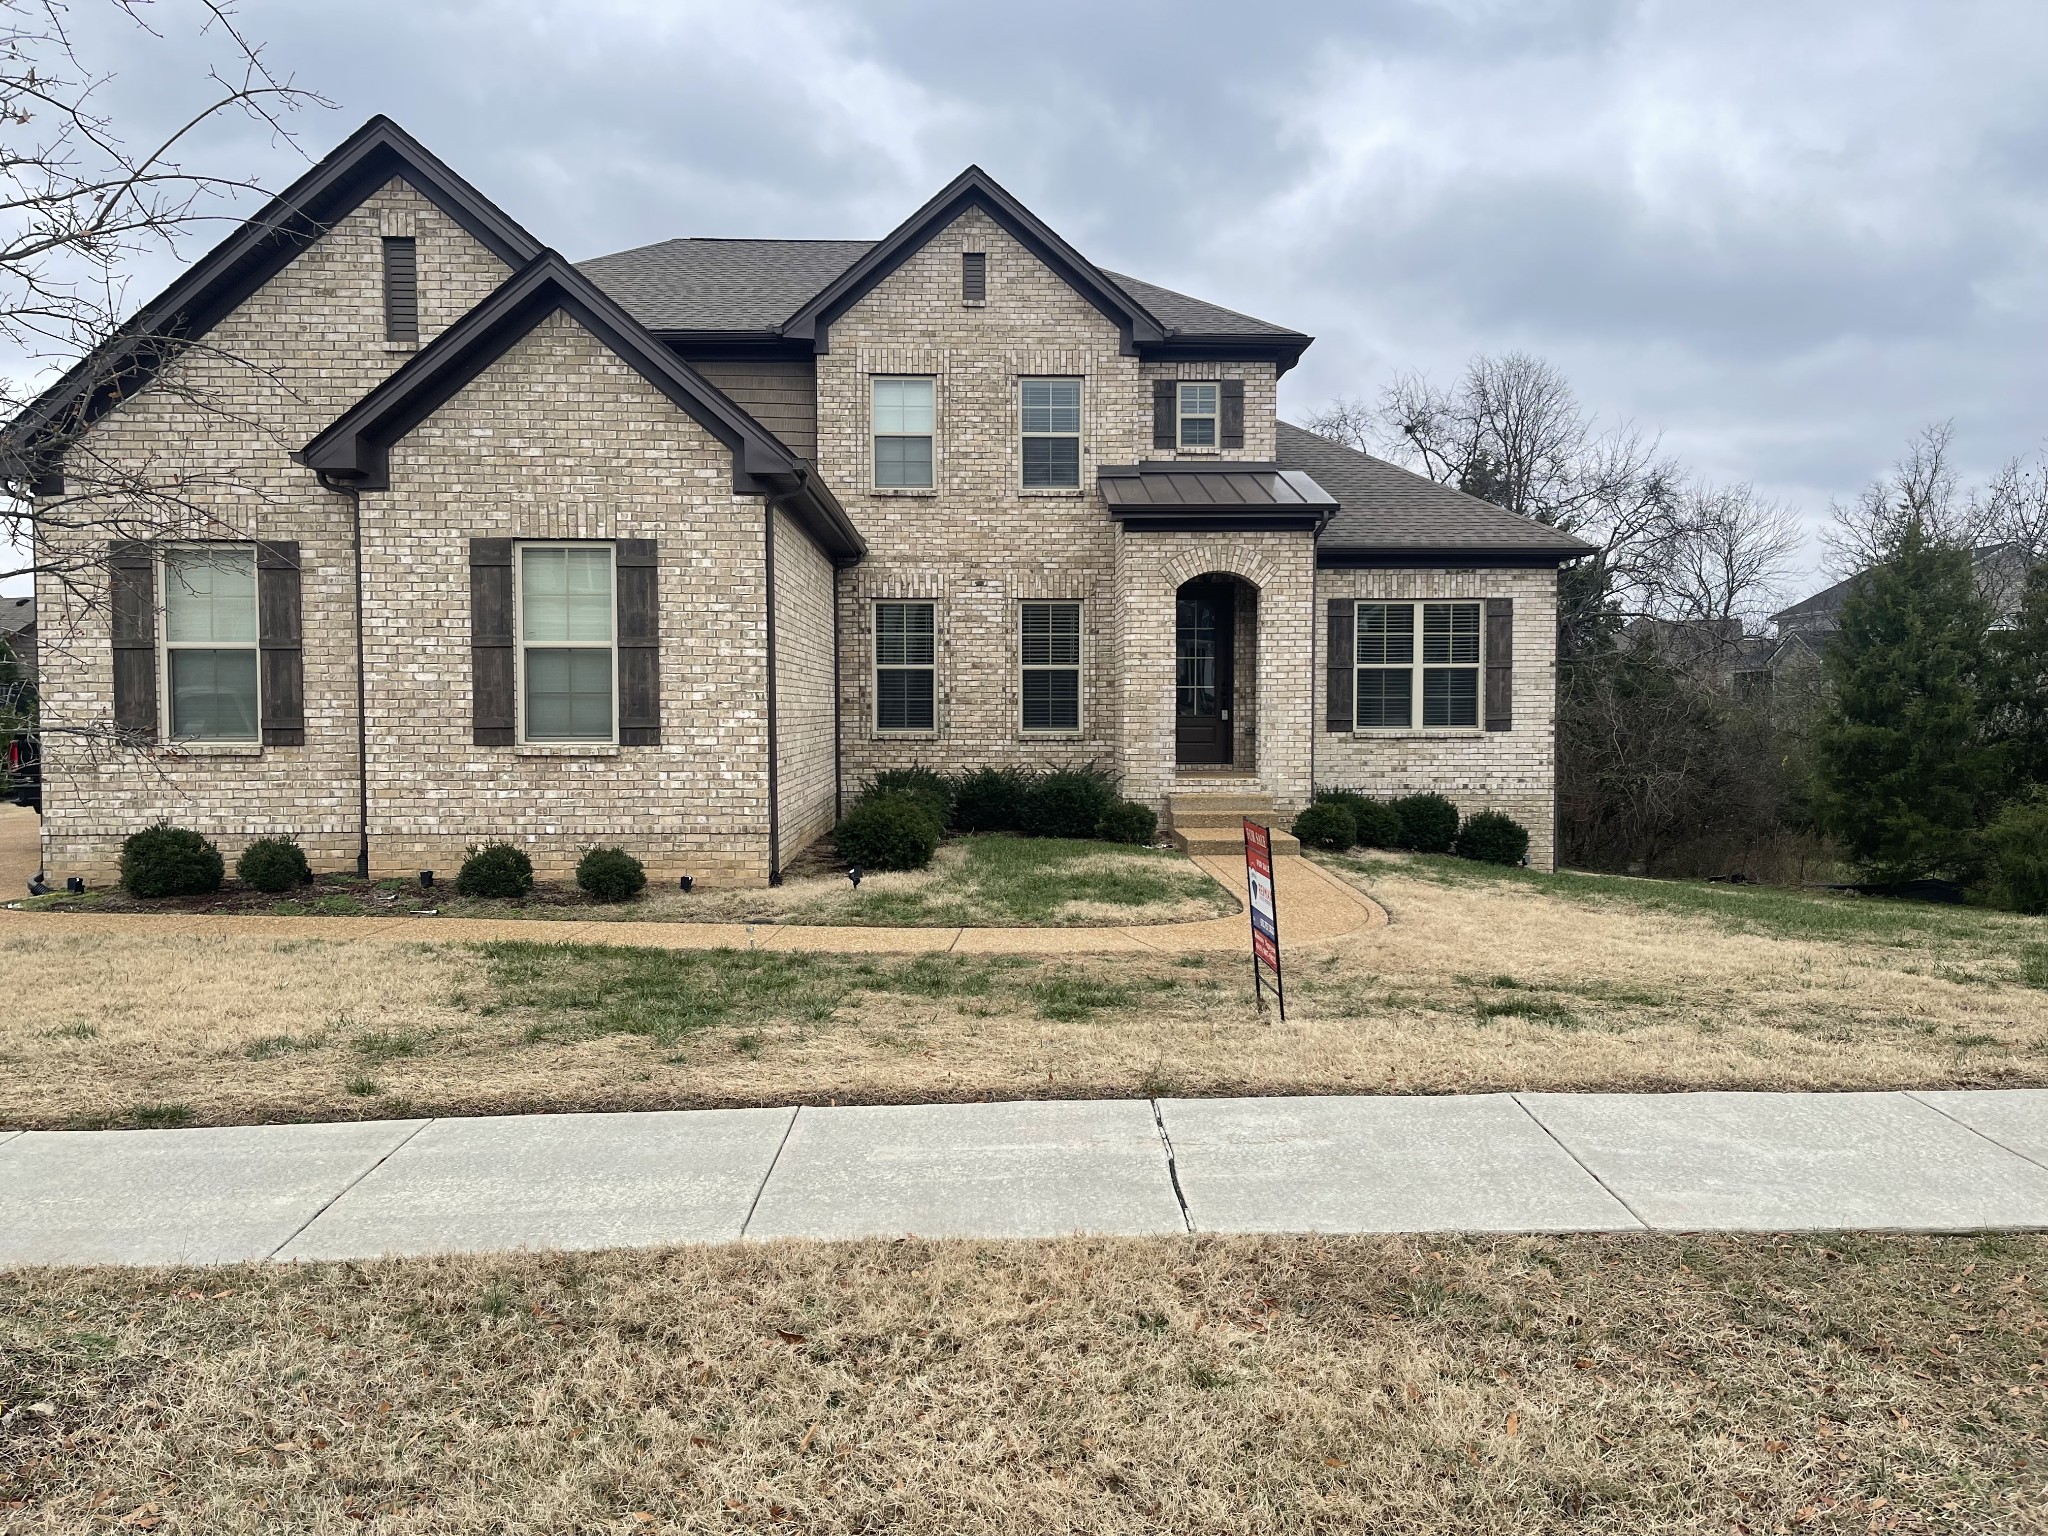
[
  {"x": 161, "y": 1117},
  {"x": 269, "y": 1046},
  {"x": 2034, "y": 964},
  {"x": 386, "y": 1044}
]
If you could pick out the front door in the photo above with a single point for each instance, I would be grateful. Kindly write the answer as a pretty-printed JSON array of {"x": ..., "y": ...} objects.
[{"x": 1205, "y": 622}]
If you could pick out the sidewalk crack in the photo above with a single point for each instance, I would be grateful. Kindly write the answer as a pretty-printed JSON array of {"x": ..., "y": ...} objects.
[
  {"x": 328, "y": 1204},
  {"x": 1612, "y": 1193},
  {"x": 1172, "y": 1167},
  {"x": 755, "y": 1204},
  {"x": 2034, "y": 1162}
]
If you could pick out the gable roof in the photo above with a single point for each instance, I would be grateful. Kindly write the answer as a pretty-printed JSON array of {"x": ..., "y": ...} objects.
[
  {"x": 355, "y": 449},
  {"x": 792, "y": 290},
  {"x": 1388, "y": 515},
  {"x": 243, "y": 263}
]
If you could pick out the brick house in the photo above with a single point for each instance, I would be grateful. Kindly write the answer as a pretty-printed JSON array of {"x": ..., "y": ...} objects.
[{"x": 675, "y": 547}]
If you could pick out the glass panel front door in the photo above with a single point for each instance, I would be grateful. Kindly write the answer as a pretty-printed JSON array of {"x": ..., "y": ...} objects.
[{"x": 1205, "y": 620}]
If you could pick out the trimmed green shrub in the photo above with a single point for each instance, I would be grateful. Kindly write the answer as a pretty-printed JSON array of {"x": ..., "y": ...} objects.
[
  {"x": 273, "y": 864},
  {"x": 990, "y": 800},
  {"x": 931, "y": 788},
  {"x": 1429, "y": 823},
  {"x": 163, "y": 860},
  {"x": 890, "y": 831},
  {"x": 1326, "y": 824},
  {"x": 611, "y": 874},
  {"x": 1492, "y": 837},
  {"x": 495, "y": 870},
  {"x": 1068, "y": 802},
  {"x": 1378, "y": 826},
  {"x": 1128, "y": 822},
  {"x": 2018, "y": 844}
]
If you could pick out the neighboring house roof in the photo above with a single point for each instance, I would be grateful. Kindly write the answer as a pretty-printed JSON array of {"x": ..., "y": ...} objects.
[
  {"x": 795, "y": 289},
  {"x": 243, "y": 263},
  {"x": 1390, "y": 515},
  {"x": 16, "y": 615},
  {"x": 2001, "y": 576},
  {"x": 356, "y": 447},
  {"x": 1226, "y": 494}
]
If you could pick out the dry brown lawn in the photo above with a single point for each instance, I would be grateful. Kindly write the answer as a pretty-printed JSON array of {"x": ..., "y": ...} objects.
[
  {"x": 1478, "y": 983},
  {"x": 1598, "y": 1385}
]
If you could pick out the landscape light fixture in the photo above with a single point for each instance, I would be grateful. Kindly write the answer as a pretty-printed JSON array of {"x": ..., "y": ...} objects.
[
  {"x": 426, "y": 879},
  {"x": 685, "y": 882},
  {"x": 75, "y": 884},
  {"x": 853, "y": 874}
]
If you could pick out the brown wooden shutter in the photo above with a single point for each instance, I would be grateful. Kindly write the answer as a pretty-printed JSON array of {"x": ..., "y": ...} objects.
[
  {"x": 401, "y": 289},
  {"x": 973, "y": 276},
  {"x": 1165, "y": 401},
  {"x": 1230, "y": 401},
  {"x": 279, "y": 639},
  {"x": 494, "y": 710},
  {"x": 1500, "y": 663},
  {"x": 639, "y": 644},
  {"x": 132, "y": 595},
  {"x": 1341, "y": 665}
]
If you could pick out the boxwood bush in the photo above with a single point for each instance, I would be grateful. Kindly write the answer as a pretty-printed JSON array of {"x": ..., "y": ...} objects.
[
  {"x": 990, "y": 800},
  {"x": 934, "y": 790},
  {"x": 495, "y": 870},
  {"x": 888, "y": 831},
  {"x": 1068, "y": 802},
  {"x": 1128, "y": 822},
  {"x": 1378, "y": 826},
  {"x": 163, "y": 860},
  {"x": 1326, "y": 824},
  {"x": 1492, "y": 837},
  {"x": 1429, "y": 823},
  {"x": 611, "y": 874},
  {"x": 273, "y": 864}
]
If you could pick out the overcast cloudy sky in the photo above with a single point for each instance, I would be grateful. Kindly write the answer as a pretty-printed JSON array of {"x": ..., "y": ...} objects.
[{"x": 1786, "y": 235}]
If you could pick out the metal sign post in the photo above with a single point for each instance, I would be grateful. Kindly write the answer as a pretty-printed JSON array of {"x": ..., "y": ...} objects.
[{"x": 1258, "y": 870}]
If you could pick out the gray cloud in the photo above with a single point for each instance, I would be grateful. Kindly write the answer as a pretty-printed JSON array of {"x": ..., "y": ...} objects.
[{"x": 1786, "y": 236}]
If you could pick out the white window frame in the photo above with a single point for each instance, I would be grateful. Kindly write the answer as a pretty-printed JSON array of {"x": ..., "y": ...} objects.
[
  {"x": 875, "y": 434},
  {"x": 876, "y": 667},
  {"x": 521, "y": 645},
  {"x": 1026, "y": 668},
  {"x": 1418, "y": 664},
  {"x": 166, "y": 646},
  {"x": 1025, "y": 436},
  {"x": 1182, "y": 415}
]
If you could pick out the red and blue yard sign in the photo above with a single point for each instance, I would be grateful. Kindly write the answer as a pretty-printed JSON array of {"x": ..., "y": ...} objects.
[{"x": 1258, "y": 869}]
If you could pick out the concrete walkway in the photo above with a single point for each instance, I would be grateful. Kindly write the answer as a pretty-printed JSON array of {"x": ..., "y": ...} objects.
[
  {"x": 1315, "y": 907},
  {"x": 1489, "y": 1163}
]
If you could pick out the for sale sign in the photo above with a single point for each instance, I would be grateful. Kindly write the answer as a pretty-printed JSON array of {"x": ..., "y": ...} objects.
[{"x": 1258, "y": 870}]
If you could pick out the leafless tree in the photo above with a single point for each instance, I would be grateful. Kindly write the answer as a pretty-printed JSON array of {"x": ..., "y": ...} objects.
[{"x": 1344, "y": 420}]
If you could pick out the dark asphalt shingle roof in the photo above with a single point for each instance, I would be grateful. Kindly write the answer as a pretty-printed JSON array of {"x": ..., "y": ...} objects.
[
  {"x": 1385, "y": 507},
  {"x": 16, "y": 614},
  {"x": 755, "y": 285}
]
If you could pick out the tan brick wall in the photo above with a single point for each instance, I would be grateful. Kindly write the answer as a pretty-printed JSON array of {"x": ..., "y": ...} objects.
[
  {"x": 1511, "y": 771},
  {"x": 806, "y": 804},
  {"x": 978, "y": 544},
  {"x": 225, "y": 419},
  {"x": 561, "y": 439}
]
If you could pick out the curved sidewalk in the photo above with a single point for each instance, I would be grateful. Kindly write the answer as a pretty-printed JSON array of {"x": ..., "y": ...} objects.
[
  {"x": 1315, "y": 907},
  {"x": 1534, "y": 1162}
]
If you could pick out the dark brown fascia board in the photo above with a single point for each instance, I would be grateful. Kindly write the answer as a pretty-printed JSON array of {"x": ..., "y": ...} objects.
[
  {"x": 1260, "y": 519},
  {"x": 355, "y": 449},
  {"x": 250, "y": 257},
  {"x": 736, "y": 346},
  {"x": 1282, "y": 349},
  {"x": 1466, "y": 557},
  {"x": 974, "y": 188},
  {"x": 1189, "y": 467}
]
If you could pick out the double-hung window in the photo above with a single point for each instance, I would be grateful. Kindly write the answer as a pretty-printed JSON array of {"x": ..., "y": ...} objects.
[
  {"x": 903, "y": 416},
  {"x": 1052, "y": 433},
  {"x": 1051, "y": 653},
  {"x": 567, "y": 640},
  {"x": 1199, "y": 409},
  {"x": 210, "y": 643},
  {"x": 1393, "y": 669},
  {"x": 905, "y": 667}
]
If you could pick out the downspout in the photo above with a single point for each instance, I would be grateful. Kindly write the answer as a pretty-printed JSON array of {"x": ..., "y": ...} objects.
[
  {"x": 355, "y": 522},
  {"x": 838, "y": 687},
  {"x": 769, "y": 505}
]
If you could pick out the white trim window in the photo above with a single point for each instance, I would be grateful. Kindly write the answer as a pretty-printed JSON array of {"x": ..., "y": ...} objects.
[
  {"x": 1051, "y": 429},
  {"x": 1200, "y": 410},
  {"x": 1049, "y": 653},
  {"x": 1393, "y": 671},
  {"x": 209, "y": 640},
  {"x": 904, "y": 413},
  {"x": 568, "y": 639},
  {"x": 906, "y": 667}
]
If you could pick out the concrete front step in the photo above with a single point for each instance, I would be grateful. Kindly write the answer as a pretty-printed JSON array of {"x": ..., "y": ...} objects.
[
  {"x": 1217, "y": 840},
  {"x": 1248, "y": 803}
]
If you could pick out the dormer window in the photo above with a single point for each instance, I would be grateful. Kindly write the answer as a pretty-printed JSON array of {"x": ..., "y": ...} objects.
[{"x": 1199, "y": 410}]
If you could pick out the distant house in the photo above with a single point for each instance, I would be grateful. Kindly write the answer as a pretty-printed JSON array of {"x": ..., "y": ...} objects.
[
  {"x": 1805, "y": 628},
  {"x": 18, "y": 634}
]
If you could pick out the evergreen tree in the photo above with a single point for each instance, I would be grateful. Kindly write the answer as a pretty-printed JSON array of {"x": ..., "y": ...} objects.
[
  {"x": 2016, "y": 703},
  {"x": 1907, "y": 773}
]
